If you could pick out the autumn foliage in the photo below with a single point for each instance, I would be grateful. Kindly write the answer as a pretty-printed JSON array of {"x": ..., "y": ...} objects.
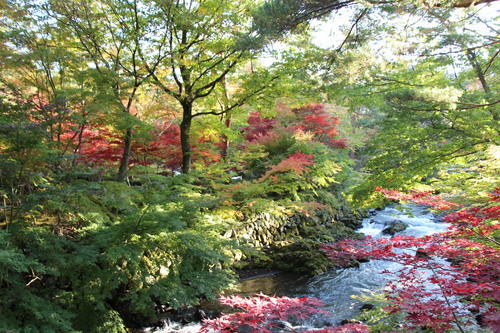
[
  {"x": 311, "y": 120},
  {"x": 447, "y": 281},
  {"x": 92, "y": 142},
  {"x": 266, "y": 314},
  {"x": 296, "y": 163},
  {"x": 258, "y": 126},
  {"x": 316, "y": 120}
]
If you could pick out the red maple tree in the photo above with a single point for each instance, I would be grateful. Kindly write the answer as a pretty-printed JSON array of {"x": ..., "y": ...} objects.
[
  {"x": 266, "y": 314},
  {"x": 258, "y": 126},
  {"x": 315, "y": 119},
  {"x": 296, "y": 163},
  {"x": 446, "y": 277}
]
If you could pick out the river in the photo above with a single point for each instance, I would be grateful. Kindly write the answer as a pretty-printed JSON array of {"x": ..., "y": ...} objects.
[{"x": 336, "y": 288}]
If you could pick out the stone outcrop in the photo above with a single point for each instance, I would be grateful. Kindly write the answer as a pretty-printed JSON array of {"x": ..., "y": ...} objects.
[{"x": 264, "y": 229}]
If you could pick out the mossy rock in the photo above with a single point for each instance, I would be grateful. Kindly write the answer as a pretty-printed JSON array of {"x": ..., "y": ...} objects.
[
  {"x": 328, "y": 234},
  {"x": 301, "y": 256}
]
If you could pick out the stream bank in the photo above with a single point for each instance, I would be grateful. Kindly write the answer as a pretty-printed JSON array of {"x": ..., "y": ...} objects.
[
  {"x": 279, "y": 242},
  {"x": 337, "y": 287}
]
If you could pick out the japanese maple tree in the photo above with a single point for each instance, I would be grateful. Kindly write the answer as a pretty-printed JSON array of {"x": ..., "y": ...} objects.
[
  {"x": 258, "y": 126},
  {"x": 266, "y": 314},
  {"x": 296, "y": 163},
  {"x": 316, "y": 120},
  {"x": 160, "y": 147},
  {"x": 446, "y": 277}
]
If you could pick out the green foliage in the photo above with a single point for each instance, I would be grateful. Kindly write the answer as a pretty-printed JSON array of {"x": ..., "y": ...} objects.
[
  {"x": 285, "y": 165},
  {"x": 121, "y": 252},
  {"x": 294, "y": 185},
  {"x": 111, "y": 322},
  {"x": 414, "y": 148},
  {"x": 439, "y": 108},
  {"x": 21, "y": 136},
  {"x": 27, "y": 304},
  {"x": 378, "y": 319},
  {"x": 426, "y": 128},
  {"x": 469, "y": 177},
  {"x": 275, "y": 18}
]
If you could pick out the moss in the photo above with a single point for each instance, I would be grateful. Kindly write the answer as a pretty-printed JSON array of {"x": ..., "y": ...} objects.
[{"x": 301, "y": 256}]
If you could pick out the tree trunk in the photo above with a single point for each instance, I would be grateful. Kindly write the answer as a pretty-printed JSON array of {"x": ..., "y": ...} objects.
[
  {"x": 471, "y": 56},
  {"x": 185, "y": 127},
  {"x": 226, "y": 117},
  {"x": 127, "y": 146},
  {"x": 225, "y": 139},
  {"x": 354, "y": 119}
]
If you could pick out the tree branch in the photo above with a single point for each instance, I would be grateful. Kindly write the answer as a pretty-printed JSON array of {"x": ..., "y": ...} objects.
[
  {"x": 488, "y": 65},
  {"x": 240, "y": 102}
]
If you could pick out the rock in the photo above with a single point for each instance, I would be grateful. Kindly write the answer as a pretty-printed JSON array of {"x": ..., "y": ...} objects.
[
  {"x": 421, "y": 253},
  {"x": 367, "y": 306},
  {"x": 480, "y": 320},
  {"x": 350, "y": 321},
  {"x": 187, "y": 315},
  {"x": 394, "y": 227}
]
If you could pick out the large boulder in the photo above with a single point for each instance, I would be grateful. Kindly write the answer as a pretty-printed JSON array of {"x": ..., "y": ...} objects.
[{"x": 395, "y": 227}]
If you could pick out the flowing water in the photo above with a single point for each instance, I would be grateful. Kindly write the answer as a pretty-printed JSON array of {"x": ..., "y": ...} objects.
[{"x": 336, "y": 288}]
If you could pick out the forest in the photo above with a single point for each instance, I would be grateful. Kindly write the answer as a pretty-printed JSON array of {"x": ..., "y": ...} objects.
[{"x": 152, "y": 150}]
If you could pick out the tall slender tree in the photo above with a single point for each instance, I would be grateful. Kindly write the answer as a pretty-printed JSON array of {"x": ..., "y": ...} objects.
[
  {"x": 197, "y": 47},
  {"x": 110, "y": 34}
]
